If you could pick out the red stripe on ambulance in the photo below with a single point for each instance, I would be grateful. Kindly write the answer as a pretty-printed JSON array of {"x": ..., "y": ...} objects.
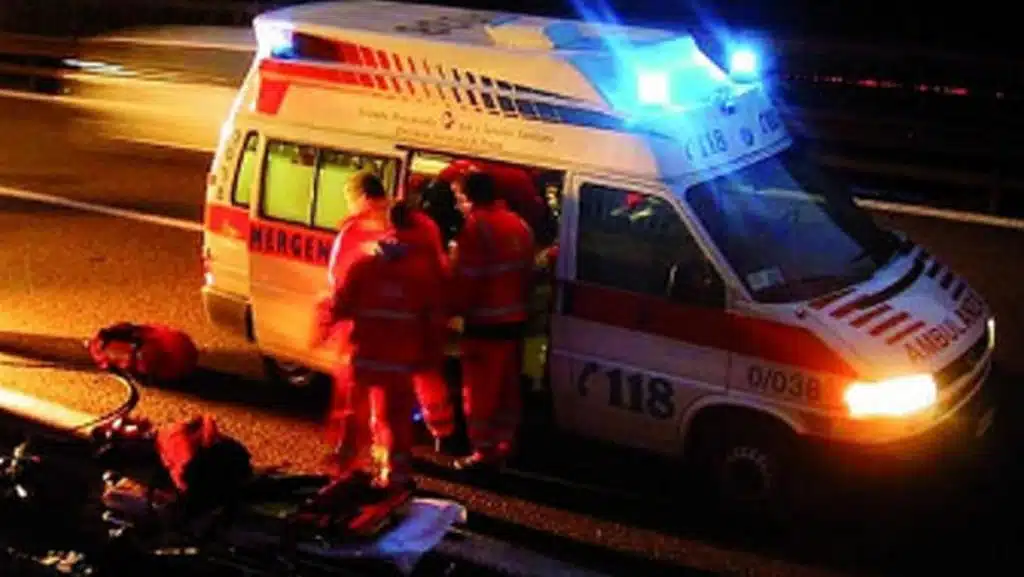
[
  {"x": 868, "y": 316},
  {"x": 227, "y": 220},
  {"x": 889, "y": 323},
  {"x": 291, "y": 242},
  {"x": 717, "y": 329},
  {"x": 904, "y": 333}
]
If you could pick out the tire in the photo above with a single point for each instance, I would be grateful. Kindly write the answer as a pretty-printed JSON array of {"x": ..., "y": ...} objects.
[
  {"x": 291, "y": 374},
  {"x": 747, "y": 465}
]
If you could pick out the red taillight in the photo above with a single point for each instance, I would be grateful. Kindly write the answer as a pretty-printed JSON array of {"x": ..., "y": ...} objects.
[{"x": 205, "y": 258}]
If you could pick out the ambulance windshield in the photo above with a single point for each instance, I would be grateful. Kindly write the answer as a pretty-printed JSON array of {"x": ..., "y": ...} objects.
[{"x": 789, "y": 231}]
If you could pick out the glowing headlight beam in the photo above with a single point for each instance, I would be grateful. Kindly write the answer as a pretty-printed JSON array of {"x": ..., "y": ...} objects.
[{"x": 896, "y": 397}]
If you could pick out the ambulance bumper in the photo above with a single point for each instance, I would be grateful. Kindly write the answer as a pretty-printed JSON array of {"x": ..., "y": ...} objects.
[
  {"x": 962, "y": 440},
  {"x": 227, "y": 311}
]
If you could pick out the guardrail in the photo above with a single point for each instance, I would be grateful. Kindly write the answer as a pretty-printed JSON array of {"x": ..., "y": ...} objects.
[
  {"x": 33, "y": 63},
  {"x": 82, "y": 17},
  {"x": 943, "y": 161}
]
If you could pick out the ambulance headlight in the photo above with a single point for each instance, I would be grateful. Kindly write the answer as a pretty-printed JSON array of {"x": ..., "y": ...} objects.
[
  {"x": 743, "y": 64},
  {"x": 895, "y": 397}
]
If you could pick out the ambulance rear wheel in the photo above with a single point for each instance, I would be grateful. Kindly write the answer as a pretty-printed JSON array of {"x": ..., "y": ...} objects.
[
  {"x": 747, "y": 464},
  {"x": 291, "y": 374}
]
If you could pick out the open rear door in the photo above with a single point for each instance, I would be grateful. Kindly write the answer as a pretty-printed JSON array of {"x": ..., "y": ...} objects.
[{"x": 302, "y": 199}]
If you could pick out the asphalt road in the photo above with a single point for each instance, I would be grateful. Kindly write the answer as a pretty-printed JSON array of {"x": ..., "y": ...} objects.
[{"x": 65, "y": 273}]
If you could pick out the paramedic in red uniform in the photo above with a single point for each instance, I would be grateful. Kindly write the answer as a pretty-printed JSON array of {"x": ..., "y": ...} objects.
[
  {"x": 424, "y": 237},
  {"x": 392, "y": 295},
  {"x": 348, "y": 416},
  {"x": 514, "y": 185},
  {"x": 367, "y": 222},
  {"x": 491, "y": 276}
]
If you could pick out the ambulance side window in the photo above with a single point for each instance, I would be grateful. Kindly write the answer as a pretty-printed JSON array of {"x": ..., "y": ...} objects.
[
  {"x": 246, "y": 171},
  {"x": 638, "y": 243},
  {"x": 335, "y": 170},
  {"x": 288, "y": 182}
]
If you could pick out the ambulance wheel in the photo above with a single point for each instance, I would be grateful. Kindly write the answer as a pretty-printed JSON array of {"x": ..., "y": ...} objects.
[
  {"x": 291, "y": 374},
  {"x": 747, "y": 464}
]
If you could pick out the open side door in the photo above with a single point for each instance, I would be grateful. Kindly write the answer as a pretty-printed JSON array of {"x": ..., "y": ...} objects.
[{"x": 634, "y": 328}]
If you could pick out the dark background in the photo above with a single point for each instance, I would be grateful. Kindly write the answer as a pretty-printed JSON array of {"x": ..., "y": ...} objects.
[{"x": 986, "y": 27}]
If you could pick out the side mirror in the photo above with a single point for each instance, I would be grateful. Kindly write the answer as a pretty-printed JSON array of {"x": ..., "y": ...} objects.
[{"x": 696, "y": 283}]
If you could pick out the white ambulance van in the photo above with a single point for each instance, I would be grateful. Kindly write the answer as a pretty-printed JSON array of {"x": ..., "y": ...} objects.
[{"x": 715, "y": 295}]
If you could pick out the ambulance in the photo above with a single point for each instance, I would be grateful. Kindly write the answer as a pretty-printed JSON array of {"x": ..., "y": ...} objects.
[{"x": 716, "y": 296}]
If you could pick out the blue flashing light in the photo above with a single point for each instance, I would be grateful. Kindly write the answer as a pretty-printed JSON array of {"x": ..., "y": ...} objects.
[
  {"x": 743, "y": 63},
  {"x": 273, "y": 40},
  {"x": 653, "y": 88}
]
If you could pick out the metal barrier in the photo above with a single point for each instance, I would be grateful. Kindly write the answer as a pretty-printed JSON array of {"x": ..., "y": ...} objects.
[{"x": 83, "y": 17}]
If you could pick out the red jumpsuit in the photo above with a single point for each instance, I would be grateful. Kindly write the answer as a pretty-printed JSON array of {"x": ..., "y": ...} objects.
[
  {"x": 492, "y": 276},
  {"x": 368, "y": 225},
  {"x": 431, "y": 388},
  {"x": 349, "y": 413},
  {"x": 392, "y": 297}
]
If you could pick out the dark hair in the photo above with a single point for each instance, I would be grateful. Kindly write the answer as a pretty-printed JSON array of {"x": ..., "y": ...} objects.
[
  {"x": 371, "y": 186},
  {"x": 438, "y": 194},
  {"x": 479, "y": 188},
  {"x": 401, "y": 215}
]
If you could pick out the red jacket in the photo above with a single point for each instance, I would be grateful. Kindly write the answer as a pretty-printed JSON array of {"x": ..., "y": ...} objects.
[
  {"x": 392, "y": 297},
  {"x": 494, "y": 266},
  {"x": 178, "y": 443},
  {"x": 360, "y": 228},
  {"x": 425, "y": 236}
]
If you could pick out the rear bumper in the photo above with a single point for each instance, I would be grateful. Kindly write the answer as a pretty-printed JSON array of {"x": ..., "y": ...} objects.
[{"x": 227, "y": 311}]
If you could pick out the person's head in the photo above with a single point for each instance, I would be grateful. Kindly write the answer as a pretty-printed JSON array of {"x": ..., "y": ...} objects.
[
  {"x": 400, "y": 215},
  {"x": 479, "y": 188},
  {"x": 439, "y": 196},
  {"x": 366, "y": 186}
]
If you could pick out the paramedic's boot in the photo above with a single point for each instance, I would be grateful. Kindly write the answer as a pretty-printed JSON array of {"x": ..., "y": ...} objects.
[{"x": 478, "y": 460}]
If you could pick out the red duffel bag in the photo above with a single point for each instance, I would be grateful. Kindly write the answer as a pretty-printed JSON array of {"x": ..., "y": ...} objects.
[{"x": 149, "y": 352}]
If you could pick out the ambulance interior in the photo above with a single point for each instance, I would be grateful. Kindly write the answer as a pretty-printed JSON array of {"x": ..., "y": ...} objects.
[
  {"x": 529, "y": 182},
  {"x": 543, "y": 183}
]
